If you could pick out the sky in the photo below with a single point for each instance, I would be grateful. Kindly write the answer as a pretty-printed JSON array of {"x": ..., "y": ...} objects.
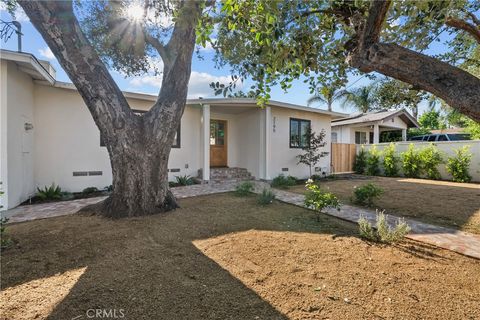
[{"x": 203, "y": 71}]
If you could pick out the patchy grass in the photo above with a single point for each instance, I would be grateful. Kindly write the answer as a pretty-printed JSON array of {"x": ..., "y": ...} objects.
[
  {"x": 225, "y": 257},
  {"x": 450, "y": 204}
]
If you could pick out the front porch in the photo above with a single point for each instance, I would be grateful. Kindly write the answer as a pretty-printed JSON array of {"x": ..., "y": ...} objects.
[{"x": 235, "y": 142}]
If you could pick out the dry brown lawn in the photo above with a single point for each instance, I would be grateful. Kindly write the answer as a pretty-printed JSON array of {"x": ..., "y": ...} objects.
[
  {"x": 224, "y": 257},
  {"x": 449, "y": 204}
]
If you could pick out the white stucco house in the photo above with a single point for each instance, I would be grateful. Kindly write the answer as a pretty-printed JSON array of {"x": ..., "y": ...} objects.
[
  {"x": 366, "y": 128},
  {"x": 48, "y": 135}
]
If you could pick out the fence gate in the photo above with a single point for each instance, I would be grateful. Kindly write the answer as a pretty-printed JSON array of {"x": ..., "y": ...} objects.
[{"x": 343, "y": 157}]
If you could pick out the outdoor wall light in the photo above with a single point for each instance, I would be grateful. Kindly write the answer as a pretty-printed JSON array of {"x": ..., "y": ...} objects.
[{"x": 28, "y": 126}]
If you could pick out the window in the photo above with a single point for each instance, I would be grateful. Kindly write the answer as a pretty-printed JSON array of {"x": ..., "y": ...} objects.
[
  {"x": 334, "y": 137},
  {"x": 217, "y": 133},
  {"x": 432, "y": 137},
  {"x": 458, "y": 136},
  {"x": 360, "y": 137},
  {"x": 298, "y": 130}
]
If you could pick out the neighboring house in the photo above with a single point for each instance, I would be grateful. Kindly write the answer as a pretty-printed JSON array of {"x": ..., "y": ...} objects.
[
  {"x": 48, "y": 135},
  {"x": 366, "y": 128}
]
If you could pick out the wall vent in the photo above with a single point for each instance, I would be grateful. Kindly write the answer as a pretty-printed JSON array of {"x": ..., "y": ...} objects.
[
  {"x": 87, "y": 173},
  {"x": 175, "y": 170},
  {"x": 284, "y": 169}
]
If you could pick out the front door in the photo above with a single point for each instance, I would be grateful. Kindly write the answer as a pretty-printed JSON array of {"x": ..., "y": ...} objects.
[{"x": 218, "y": 143}]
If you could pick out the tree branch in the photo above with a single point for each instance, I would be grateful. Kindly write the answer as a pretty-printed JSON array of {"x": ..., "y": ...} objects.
[
  {"x": 474, "y": 19},
  {"x": 60, "y": 29},
  {"x": 162, "y": 51},
  {"x": 373, "y": 25},
  {"x": 465, "y": 26}
]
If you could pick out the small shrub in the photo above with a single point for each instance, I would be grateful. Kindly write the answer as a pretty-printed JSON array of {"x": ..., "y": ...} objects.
[
  {"x": 266, "y": 197},
  {"x": 373, "y": 162},
  {"x": 284, "y": 182},
  {"x": 458, "y": 165},
  {"x": 90, "y": 190},
  {"x": 108, "y": 188},
  {"x": 431, "y": 158},
  {"x": 318, "y": 199},
  {"x": 50, "y": 193},
  {"x": 244, "y": 189},
  {"x": 5, "y": 240},
  {"x": 365, "y": 194},
  {"x": 360, "y": 161},
  {"x": 390, "y": 161},
  {"x": 383, "y": 233},
  {"x": 411, "y": 162},
  {"x": 185, "y": 180}
]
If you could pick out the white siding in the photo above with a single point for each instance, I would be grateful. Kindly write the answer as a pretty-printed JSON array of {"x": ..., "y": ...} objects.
[
  {"x": 282, "y": 156},
  {"x": 19, "y": 151}
]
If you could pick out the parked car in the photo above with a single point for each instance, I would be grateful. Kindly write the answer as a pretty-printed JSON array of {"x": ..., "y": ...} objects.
[{"x": 442, "y": 137}]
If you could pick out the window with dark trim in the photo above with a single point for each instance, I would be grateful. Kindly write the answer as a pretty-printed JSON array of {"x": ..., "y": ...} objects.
[
  {"x": 176, "y": 143},
  {"x": 298, "y": 130}
]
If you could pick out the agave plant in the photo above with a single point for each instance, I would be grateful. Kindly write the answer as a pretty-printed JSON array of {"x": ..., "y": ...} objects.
[{"x": 54, "y": 192}]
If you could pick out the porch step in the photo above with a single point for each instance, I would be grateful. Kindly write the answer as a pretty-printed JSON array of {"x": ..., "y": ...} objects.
[{"x": 227, "y": 174}]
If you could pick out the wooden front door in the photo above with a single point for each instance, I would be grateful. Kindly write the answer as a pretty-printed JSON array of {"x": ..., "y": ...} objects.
[{"x": 218, "y": 143}]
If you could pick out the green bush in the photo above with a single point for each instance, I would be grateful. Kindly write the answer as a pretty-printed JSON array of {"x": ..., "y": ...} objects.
[
  {"x": 244, "y": 189},
  {"x": 383, "y": 233},
  {"x": 50, "y": 193},
  {"x": 366, "y": 194},
  {"x": 411, "y": 162},
  {"x": 458, "y": 165},
  {"x": 373, "y": 162},
  {"x": 90, "y": 190},
  {"x": 185, "y": 180},
  {"x": 390, "y": 161},
  {"x": 318, "y": 199},
  {"x": 4, "y": 238},
  {"x": 282, "y": 181},
  {"x": 360, "y": 161},
  {"x": 266, "y": 197},
  {"x": 431, "y": 158}
]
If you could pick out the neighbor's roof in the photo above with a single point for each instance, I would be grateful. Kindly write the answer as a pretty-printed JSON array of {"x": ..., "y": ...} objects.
[
  {"x": 377, "y": 116},
  {"x": 38, "y": 70}
]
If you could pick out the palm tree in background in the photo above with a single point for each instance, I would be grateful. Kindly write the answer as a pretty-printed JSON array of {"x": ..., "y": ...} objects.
[
  {"x": 326, "y": 95},
  {"x": 362, "y": 99}
]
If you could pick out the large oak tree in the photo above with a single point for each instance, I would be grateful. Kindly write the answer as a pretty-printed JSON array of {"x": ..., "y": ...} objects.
[
  {"x": 275, "y": 42},
  {"x": 138, "y": 145}
]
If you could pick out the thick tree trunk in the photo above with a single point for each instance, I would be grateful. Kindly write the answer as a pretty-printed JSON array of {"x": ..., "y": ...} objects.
[{"x": 139, "y": 146}]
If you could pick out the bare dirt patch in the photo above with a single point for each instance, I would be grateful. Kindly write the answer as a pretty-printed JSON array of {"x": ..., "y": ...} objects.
[
  {"x": 223, "y": 257},
  {"x": 449, "y": 204}
]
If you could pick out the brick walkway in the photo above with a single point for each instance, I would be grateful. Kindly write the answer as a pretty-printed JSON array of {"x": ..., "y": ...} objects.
[{"x": 454, "y": 240}]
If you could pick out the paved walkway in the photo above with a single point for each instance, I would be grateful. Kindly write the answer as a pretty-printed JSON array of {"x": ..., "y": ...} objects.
[{"x": 454, "y": 240}]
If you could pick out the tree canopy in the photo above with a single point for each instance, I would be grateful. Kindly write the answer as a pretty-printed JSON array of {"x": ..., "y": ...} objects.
[{"x": 276, "y": 42}]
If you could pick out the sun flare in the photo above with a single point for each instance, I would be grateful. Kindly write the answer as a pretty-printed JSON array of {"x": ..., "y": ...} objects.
[{"x": 134, "y": 12}]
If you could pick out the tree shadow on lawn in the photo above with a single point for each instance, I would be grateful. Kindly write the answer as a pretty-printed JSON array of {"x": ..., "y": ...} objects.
[{"x": 149, "y": 266}]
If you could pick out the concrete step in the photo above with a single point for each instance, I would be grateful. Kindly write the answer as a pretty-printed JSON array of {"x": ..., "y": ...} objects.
[{"x": 230, "y": 174}]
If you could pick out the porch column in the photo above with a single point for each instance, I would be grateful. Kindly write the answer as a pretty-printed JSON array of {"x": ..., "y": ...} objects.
[
  {"x": 404, "y": 134},
  {"x": 376, "y": 134},
  {"x": 206, "y": 143},
  {"x": 268, "y": 139}
]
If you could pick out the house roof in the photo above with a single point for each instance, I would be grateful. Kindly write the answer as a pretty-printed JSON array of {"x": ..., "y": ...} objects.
[
  {"x": 28, "y": 63},
  {"x": 377, "y": 116},
  {"x": 44, "y": 73}
]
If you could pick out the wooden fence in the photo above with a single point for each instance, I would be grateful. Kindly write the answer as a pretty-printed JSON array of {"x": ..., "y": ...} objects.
[{"x": 343, "y": 157}]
